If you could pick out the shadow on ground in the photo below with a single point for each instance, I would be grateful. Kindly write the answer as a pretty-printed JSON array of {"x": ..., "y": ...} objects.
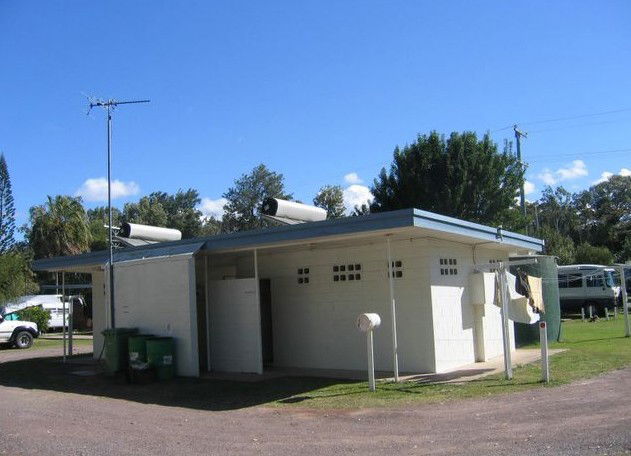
[{"x": 49, "y": 373}]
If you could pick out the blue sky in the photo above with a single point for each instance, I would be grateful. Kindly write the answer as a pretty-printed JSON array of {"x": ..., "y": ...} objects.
[{"x": 317, "y": 90}]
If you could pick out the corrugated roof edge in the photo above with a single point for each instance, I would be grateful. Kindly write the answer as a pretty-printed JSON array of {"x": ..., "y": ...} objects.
[{"x": 348, "y": 225}]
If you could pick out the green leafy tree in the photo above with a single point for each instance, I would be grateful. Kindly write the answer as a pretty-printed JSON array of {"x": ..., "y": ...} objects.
[
  {"x": 16, "y": 279},
  {"x": 590, "y": 254},
  {"x": 98, "y": 220},
  {"x": 7, "y": 208},
  {"x": 461, "y": 176},
  {"x": 59, "y": 227},
  {"x": 37, "y": 315},
  {"x": 177, "y": 211},
  {"x": 558, "y": 244},
  {"x": 331, "y": 198},
  {"x": 557, "y": 209},
  {"x": 211, "y": 226},
  {"x": 605, "y": 212},
  {"x": 246, "y": 196}
]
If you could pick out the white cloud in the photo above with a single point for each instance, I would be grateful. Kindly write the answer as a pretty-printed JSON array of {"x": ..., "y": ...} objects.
[
  {"x": 213, "y": 208},
  {"x": 95, "y": 189},
  {"x": 352, "y": 178},
  {"x": 529, "y": 187},
  {"x": 606, "y": 175},
  {"x": 575, "y": 170},
  {"x": 356, "y": 195}
]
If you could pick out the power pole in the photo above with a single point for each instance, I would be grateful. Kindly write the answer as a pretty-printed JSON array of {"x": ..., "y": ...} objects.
[
  {"x": 522, "y": 194},
  {"x": 109, "y": 106}
]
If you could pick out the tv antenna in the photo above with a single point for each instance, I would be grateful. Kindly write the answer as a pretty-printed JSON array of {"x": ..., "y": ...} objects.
[{"x": 109, "y": 106}]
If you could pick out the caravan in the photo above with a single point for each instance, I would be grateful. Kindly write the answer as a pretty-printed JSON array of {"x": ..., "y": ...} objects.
[
  {"x": 584, "y": 285},
  {"x": 52, "y": 303}
]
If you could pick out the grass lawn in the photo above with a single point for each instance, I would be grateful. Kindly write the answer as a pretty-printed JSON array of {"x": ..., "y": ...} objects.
[
  {"x": 49, "y": 343},
  {"x": 592, "y": 348}
]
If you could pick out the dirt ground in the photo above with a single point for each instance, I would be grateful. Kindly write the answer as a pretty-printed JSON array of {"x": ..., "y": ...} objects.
[{"x": 590, "y": 417}]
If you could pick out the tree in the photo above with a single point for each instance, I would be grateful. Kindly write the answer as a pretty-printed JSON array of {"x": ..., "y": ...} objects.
[
  {"x": 557, "y": 209},
  {"x": 589, "y": 254},
  {"x": 16, "y": 279},
  {"x": 59, "y": 227},
  {"x": 246, "y": 196},
  {"x": 98, "y": 220},
  {"x": 558, "y": 245},
  {"x": 461, "y": 177},
  {"x": 331, "y": 198},
  {"x": 7, "y": 208},
  {"x": 177, "y": 211},
  {"x": 605, "y": 211}
]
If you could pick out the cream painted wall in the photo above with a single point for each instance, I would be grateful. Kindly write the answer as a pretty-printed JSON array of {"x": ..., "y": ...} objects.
[
  {"x": 457, "y": 322},
  {"x": 157, "y": 296},
  {"x": 314, "y": 324},
  {"x": 235, "y": 326},
  {"x": 98, "y": 311}
]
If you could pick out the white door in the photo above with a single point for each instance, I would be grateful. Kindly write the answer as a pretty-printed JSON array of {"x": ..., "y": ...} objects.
[{"x": 235, "y": 326}]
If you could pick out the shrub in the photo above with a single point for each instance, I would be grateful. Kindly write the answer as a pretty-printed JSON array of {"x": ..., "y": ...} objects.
[{"x": 36, "y": 315}]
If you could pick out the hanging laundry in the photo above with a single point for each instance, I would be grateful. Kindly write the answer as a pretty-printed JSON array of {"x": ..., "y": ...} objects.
[
  {"x": 536, "y": 293},
  {"x": 519, "y": 308}
]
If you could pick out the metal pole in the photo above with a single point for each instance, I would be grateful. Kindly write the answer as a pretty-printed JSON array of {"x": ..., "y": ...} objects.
[
  {"x": 522, "y": 194},
  {"x": 625, "y": 304},
  {"x": 63, "y": 305},
  {"x": 70, "y": 324},
  {"x": 206, "y": 301},
  {"x": 371, "y": 361},
  {"x": 395, "y": 357},
  {"x": 258, "y": 306},
  {"x": 545, "y": 365},
  {"x": 109, "y": 208},
  {"x": 508, "y": 366}
]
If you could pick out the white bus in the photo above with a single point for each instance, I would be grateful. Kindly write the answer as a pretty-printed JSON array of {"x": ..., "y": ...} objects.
[{"x": 582, "y": 285}]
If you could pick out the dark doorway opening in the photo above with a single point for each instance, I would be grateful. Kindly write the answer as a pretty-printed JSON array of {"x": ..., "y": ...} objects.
[{"x": 265, "y": 295}]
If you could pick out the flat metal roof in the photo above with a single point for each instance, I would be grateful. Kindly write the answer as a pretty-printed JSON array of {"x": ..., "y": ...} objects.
[{"x": 347, "y": 226}]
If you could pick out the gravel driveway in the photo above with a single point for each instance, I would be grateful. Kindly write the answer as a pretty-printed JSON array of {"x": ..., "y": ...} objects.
[{"x": 591, "y": 417}]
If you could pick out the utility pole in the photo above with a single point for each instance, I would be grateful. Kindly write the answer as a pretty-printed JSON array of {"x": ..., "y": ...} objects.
[
  {"x": 518, "y": 136},
  {"x": 109, "y": 106}
]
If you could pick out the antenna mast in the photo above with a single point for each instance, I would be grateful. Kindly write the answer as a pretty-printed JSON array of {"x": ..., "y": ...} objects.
[{"x": 109, "y": 106}]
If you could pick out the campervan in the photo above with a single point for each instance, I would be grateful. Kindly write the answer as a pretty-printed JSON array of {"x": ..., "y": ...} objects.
[
  {"x": 584, "y": 285},
  {"x": 52, "y": 303}
]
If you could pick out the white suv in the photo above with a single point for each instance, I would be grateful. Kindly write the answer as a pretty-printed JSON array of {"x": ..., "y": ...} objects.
[{"x": 18, "y": 333}]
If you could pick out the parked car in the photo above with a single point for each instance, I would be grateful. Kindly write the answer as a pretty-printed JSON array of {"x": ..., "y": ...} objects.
[
  {"x": 584, "y": 285},
  {"x": 17, "y": 333}
]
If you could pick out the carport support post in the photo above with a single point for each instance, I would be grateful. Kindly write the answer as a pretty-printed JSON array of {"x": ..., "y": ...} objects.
[
  {"x": 206, "y": 303},
  {"x": 508, "y": 365},
  {"x": 258, "y": 306},
  {"x": 625, "y": 309},
  {"x": 393, "y": 314},
  {"x": 63, "y": 305}
]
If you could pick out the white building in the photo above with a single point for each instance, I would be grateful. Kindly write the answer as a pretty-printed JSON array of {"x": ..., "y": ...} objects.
[{"x": 289, "y": 296}]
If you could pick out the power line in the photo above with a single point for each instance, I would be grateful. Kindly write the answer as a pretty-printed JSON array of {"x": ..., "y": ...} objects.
[{"x": 561, "y": 119}]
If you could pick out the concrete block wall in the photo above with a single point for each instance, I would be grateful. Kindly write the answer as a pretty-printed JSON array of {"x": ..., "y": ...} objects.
[
  {"x": 314, "y": 323},
  {"x": 157, "y": 296}
]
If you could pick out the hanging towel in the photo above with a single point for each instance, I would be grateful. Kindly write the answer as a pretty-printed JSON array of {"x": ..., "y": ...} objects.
[
  {"x": 519, "y": 308},
  {"x": 536, "y": 293}
]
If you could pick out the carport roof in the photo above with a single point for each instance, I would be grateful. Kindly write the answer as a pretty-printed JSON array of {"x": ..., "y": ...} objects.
[{"x": 406, "y": 218}]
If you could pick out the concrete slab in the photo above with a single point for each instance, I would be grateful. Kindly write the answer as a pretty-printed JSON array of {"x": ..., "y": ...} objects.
[{"x": 466, "y": 373}]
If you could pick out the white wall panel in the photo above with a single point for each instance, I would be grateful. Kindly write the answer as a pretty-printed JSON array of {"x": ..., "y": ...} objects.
[
  {"x": 157, "y": 296},
  {"x": 235, "y": 326}
]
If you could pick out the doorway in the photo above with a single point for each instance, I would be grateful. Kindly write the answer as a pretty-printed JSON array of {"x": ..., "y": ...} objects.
[{"x": 267, "y": 343}]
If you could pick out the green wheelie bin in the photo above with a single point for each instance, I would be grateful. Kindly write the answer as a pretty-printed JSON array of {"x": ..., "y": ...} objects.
[
  {"x": 116, "y": 348},
  {"x": 138, "y": 347},
  {"x": 161, "y": 356}
]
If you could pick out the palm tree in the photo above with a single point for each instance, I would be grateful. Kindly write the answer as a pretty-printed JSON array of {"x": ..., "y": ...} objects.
[{"x": 59, "y": 227}]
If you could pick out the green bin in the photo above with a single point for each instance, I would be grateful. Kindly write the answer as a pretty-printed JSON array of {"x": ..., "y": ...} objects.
[
  {"x": 138, "y": 347},
  {"x": 116, "y": 348},
  {"x": 161, "y": 356}
]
